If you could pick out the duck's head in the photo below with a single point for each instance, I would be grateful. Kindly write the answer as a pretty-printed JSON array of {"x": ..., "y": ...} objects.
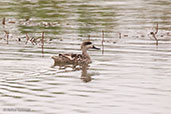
[{"x": 88, "y": 45}]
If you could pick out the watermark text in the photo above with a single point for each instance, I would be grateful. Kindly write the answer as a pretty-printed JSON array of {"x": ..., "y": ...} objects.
[{"x": 17, "y": 110}]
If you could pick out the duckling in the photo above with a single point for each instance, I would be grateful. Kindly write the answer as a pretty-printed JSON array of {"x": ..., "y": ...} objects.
[{"x": 83, "y": 58}]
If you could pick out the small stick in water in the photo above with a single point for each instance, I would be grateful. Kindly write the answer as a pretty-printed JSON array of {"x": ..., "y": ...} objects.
[
  {"x": 88, "y": 37},
  {"x": 42, "y": 41},
  {"x": 27, "y": 38},
  {"x": 7, "y": 35},
  {"x": 154, "y": 34},
  {"x": 157, "y": 28},
  {"x": 102, "y": 42},
  {"x": 3, "y": 21},
  {"x": 119, "y": 35},
  {"x": 33, "y": 40}
]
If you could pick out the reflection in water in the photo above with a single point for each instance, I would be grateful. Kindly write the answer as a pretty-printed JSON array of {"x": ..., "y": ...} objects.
[
  {"x": 84, "y": 75},
  {"x": 84, "y": 67}
]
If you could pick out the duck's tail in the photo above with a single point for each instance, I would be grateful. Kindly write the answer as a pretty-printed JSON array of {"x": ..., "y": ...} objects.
[{"x": 56, "y": 59}]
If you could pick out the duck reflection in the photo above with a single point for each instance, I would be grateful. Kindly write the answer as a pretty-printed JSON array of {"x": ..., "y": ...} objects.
[{"x": 85, "y": 77}]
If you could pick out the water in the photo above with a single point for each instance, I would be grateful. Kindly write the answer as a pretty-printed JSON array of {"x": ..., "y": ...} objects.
[{"x": 132, "y": 76}]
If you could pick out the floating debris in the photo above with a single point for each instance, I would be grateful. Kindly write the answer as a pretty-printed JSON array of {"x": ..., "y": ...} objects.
[{"x": 19, "y": 39}]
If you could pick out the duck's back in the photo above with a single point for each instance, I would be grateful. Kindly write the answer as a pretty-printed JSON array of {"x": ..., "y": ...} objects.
[{"x": 71, "y": 59}]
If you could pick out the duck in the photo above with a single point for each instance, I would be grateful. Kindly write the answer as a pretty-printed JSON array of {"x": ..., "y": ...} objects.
[{"x": 72, "y": 58}]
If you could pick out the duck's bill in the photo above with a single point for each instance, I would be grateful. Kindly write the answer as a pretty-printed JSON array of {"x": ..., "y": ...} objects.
[{"x": 96, "y": 48}]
